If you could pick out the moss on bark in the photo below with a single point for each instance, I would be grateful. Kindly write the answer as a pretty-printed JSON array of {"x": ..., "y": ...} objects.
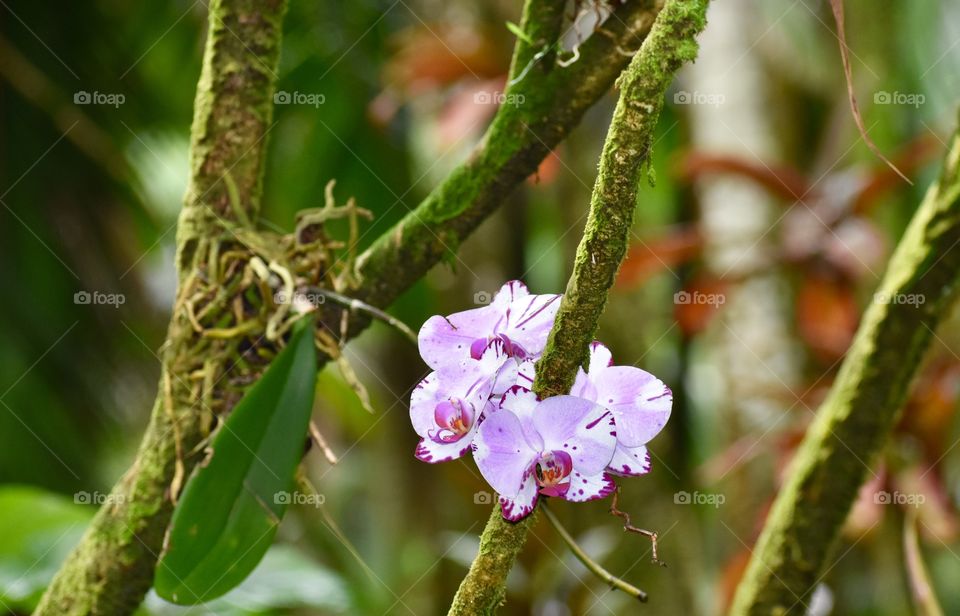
[
  {"x": 862, "y": 407},
  {"x": 671, "y": 42},
  {"x": 112, "y": 568}
]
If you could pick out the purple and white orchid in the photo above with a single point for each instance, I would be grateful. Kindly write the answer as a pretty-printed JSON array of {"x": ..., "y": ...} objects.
[
  {"x": 447, "y": 406},
  {"x": 556, "y": 447},
  {"x": 520, "y": 320},
  {"x": 479, "y": 397},
  {"x": 640, "y": 404}
]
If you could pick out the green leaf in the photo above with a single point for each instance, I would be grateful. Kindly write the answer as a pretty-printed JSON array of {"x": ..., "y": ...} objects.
[
  {"x": 37, "y": 530},
  {"x": 285, "y": 579},
  {"x": 229, "y": 511}
]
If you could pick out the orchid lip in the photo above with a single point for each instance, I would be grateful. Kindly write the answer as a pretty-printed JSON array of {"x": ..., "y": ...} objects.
[
  {"x": 553, "y": 471},
  {"x": 454, "y": 418}
]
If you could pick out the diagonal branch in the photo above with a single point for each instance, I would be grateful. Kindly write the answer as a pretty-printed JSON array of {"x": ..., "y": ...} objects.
[
  {"x": 864, "y": 404},
  {"x": 604, "y": 244}
]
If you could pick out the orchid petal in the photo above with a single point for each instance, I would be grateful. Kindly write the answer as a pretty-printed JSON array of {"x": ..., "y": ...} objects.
[
  {"x": 583, "y": 429},
  {"x": 529, "y": 321},
  {"x": 630, "y": 461},
  {"x": 511, "y": 291},
  {"x": 640, "y": 402},
  {"x": 502, "y": 453},
  {"x": 589, "y": 487},
  {"x": 445, "y": 339},
  {"x": 432, "y": 451},
  {"x": 519, "y": 507}
]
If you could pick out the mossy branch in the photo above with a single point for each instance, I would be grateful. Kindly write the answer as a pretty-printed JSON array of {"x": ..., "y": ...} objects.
[
  {"x": 855, "y": 420},
  {"x": 550, "y": 101},
  {"x": 671, "y": 42},
  {"x": 111, "y": 569}
]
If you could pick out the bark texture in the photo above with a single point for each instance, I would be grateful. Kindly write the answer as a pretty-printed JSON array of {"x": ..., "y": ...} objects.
[{"x": 112, "y": 568}]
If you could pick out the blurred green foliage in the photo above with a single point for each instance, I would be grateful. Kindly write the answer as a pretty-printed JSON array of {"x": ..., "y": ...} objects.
[{"x": 90, "y": 194}]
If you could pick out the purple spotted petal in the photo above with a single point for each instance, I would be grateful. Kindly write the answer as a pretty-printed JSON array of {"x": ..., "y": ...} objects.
[
  {"x": 529, "y": 321},
  {"x": 520, "y": 401},
  {"x": 432, "y": 451},
  {"x": 446, "y": 340},
  {"x": 640, "y": 402},
  {"x": 526, "y": 373},
  {"x": 589, "y": 487},
  {"x": 580, "y": 427},
  {"x": 630, "y": 461},
  {"x": 519, "y": 507},
  {"x": 502, "y": 453}
]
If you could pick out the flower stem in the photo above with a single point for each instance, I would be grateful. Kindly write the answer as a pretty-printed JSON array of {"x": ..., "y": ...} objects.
[{"x": 594, "y": 567}]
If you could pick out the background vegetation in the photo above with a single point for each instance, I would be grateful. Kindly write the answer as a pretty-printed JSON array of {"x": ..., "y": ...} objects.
[{"x": 768, "y": 212}]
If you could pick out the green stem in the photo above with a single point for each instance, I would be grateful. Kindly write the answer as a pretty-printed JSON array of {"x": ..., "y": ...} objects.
[
  {"x": 112, "y": 568},
  {"x": 588, "y": 562},
  {"x": 855, "y": 420},
  {"x": 671, "y": 42}
]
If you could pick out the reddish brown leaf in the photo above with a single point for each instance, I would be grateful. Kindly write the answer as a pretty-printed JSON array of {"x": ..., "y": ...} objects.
[
  {"x": 781, "y": 180},
  {"x": 698, "y": 303},
  {"x": 827, "y": 315},
  {"x": 649, "y": 257}
]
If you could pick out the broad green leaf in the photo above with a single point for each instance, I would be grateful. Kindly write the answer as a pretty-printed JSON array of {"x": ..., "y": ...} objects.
[
  {"x": 284, "y": 580},
  {"x": 37, "y": 530},
  {"x": 230, "y": 508}
]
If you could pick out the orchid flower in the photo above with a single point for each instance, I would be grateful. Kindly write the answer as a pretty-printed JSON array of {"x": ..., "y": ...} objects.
[
  {"x": 556, "y": 447},
  {"x": 520, "y": 320},
  {"x": 447, "y": 406},
  {"x": 640, "y": 404}
]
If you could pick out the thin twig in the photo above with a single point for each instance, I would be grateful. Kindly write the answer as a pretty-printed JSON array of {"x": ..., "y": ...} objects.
[
  {"x": 594, "y": 567},
  {"x": 627, "y": 526},
  {"x": 357, "y": 305},
  {"x": 322, "y": 443}
]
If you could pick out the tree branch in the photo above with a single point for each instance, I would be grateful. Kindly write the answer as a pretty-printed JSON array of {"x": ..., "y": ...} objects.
[
  {"x": 864, "y": 404},
  {"x": 112, "y": 567},
  {"x": 553, "y": 102},
  {"x": 671, "y": 42}
]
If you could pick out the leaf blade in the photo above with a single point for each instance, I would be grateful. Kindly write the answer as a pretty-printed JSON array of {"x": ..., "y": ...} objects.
[{"x": 228, "y": 514}]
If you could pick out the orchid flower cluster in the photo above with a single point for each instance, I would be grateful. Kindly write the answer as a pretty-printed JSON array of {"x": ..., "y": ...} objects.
[{"x": 478, "y": 398}]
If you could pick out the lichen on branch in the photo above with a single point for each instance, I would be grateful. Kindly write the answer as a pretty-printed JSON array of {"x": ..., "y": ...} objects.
[
  {"x": 864, "y": 403},
  {"x": 670, "y": 43},
  {"x": 111, "y": 569}
]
